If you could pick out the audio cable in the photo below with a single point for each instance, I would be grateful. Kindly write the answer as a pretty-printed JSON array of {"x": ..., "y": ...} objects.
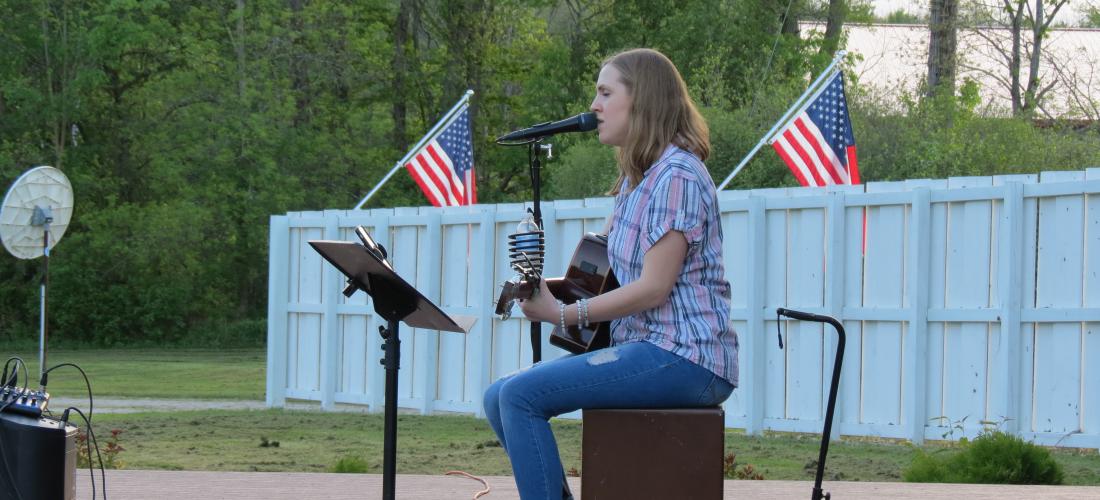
[{"x": 88, "y": 422}]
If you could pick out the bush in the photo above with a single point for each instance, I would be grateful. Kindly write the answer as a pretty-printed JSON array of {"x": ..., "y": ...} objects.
[
  {"x": 994, "y": 457},
  {"x": 949, "y": 136},
  {"x": 732, "y": 470},
  {"x": 585, "y": 169},
  {"x": 107, "y": 456},
  {"x": 227, "y": 334},
  {"x": 350, "y": 465}
]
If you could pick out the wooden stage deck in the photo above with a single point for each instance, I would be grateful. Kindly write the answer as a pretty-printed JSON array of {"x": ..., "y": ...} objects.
[{"x": 189, "y": 485}]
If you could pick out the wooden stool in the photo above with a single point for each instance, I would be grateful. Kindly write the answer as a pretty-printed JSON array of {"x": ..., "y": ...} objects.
[{"x": 652, "y": 453}]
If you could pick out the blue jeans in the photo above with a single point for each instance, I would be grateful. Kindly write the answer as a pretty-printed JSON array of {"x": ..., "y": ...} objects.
[{"x": 633, "y": 375}]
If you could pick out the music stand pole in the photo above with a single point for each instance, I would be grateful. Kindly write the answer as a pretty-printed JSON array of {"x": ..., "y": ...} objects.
[
  {"x": 392, "y": 361},
  {"x": 396, "y": 301}
]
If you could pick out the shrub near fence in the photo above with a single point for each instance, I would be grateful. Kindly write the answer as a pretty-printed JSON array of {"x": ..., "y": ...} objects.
[{"x": 966, "y": 299}]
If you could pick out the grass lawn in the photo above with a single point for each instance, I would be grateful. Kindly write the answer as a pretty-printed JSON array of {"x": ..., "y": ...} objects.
[
  {"x": 311, "y": 441},
  {"x": 152, "y": 373}
]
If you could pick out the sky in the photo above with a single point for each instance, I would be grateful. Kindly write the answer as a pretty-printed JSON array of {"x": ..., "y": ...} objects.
[{"x": 883, "y": 7}]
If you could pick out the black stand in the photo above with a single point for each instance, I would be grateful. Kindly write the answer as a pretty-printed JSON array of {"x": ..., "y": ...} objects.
[
  {"x": 392, "y": 362},
  {"x": 395, "y": 300},
  {"x": 43, "y": 217},
  {"x": 818, "y": 494},
  {"x": 534, "y": 150}
]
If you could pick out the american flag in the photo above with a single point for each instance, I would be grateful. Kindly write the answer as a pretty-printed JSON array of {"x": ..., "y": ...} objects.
[
  {"x": 817, "y": 144},
  {"x": 444, "y": 167}
]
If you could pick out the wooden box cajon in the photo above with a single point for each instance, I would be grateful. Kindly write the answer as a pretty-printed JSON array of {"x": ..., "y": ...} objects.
[{"x": 673, "y": 453}]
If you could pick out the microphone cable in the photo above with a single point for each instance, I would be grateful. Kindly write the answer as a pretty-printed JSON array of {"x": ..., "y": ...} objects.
[
  {"x": 87, "y": 384},
  {"x": 88, "y": 422},
  {"x": 91, "y": 442},
  {"x": 475, "y": 478}
]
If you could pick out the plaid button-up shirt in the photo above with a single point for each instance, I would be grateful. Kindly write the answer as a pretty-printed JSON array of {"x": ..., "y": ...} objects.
[{"x": 677, "y": 194}]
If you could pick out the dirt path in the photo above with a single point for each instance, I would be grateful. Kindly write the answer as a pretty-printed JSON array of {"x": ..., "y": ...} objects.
[{"x": 135, "y": 405}]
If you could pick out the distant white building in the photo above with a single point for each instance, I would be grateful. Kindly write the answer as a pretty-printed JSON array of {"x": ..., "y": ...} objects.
[
  {"x": 1072, "y": 13},
  {"x": 893, "y": 59}
]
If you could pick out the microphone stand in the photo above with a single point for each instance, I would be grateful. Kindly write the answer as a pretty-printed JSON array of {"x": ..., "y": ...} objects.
[
  {"x": 826, "y": 434},
  {"x": 535, "y": 148},
  {"x": 534, "y": 151}
]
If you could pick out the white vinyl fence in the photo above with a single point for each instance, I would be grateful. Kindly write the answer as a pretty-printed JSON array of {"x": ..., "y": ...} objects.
[{"x": 966, "y": 301}]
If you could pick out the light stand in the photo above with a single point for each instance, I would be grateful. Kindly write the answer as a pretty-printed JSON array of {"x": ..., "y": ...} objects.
[{"x": 43, "y": 217}]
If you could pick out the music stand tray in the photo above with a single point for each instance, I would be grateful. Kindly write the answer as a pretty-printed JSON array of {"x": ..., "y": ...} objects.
[{"x": 395, "y": 300}]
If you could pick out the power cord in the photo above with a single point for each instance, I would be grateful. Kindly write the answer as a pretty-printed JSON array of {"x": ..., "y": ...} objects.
[
  {"x": 475, "y": 478},
  {"x": 88, "y": 421},
  {"x": 91, "y": 403},
  {"x": 91, "y": 436},
  {"x": 14, "y": 378},
  {"x": 15, "y": 371}
]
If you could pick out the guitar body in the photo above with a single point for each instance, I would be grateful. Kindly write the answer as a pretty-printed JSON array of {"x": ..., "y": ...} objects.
[{"x": 589, "y": 275}]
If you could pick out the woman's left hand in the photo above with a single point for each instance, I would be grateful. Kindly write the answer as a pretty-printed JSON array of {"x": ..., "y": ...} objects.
[{"x": 542, "y": 306}]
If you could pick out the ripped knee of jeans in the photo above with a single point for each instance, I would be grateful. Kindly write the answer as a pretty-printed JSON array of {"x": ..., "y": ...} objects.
[
  {"x": 521, "y": 370},
  {"x": 604, "y": 356}
]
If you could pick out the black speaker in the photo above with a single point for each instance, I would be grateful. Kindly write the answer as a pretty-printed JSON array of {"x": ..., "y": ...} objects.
[{"x": 40, "y": 454}]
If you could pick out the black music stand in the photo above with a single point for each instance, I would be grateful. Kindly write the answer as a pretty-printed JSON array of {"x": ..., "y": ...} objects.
[{"x": 396, "y": 301}]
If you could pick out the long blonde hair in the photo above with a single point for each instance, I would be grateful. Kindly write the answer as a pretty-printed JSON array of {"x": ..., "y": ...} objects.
[{"x": 661, "y": 113}]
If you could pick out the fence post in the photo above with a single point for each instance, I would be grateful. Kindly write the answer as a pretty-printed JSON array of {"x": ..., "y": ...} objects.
[
  {"x": 916, "y": 342},
  {"x": 481, "y": 358},
  {"x": 277, "y": 285},
  {"x": 834, "y": 300},
  {"x": 330, "y": 319},
  {"x": 754, "y": 342},
  {"x": 1010, "y": 277},
  {"x": 429, "y": 275}
]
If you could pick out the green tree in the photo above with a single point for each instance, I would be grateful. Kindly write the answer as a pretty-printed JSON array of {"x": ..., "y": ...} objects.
[
  {"x": 1028, "y": 23},
  {"x": 184, "y": 126},
  {"x": 902, "y": 16},
  {"x": 1091, "y": 17},
  {"x": 942, "y": 47}
]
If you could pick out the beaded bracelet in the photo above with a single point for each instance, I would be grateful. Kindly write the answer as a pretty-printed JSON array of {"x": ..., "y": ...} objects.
[
  {"x": 580, "y": 308},
  {"x": 561, "y": 309},
  {"x": 583, "y": 307}
]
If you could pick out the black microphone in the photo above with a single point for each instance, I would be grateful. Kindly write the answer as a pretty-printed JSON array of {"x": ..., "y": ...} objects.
[{"x": 580, "y": 123}]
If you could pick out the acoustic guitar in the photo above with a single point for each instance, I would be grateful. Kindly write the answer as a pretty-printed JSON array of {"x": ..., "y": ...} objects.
[{"x": 589, "y": 274}]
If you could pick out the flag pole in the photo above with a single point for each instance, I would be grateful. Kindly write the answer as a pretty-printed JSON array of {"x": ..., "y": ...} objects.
[
  {"x": 431, "y": 133},
  {"x": 786, "y": 116}
]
